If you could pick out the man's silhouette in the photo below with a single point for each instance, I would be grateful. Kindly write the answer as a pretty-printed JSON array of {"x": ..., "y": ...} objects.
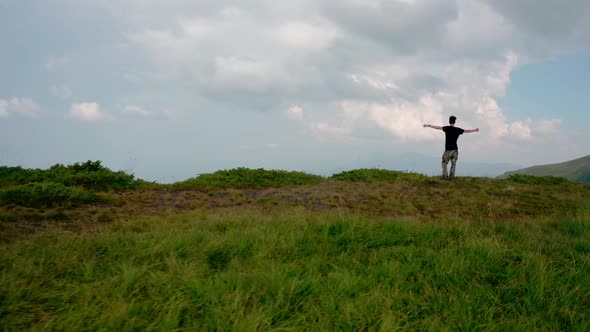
[{"x": 451, "y": 153}]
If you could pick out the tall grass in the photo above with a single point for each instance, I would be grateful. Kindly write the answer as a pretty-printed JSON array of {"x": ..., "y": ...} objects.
[{"x": 296, "y": 270}]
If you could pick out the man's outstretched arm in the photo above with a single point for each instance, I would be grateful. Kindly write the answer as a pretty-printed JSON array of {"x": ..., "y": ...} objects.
[
  {"x": 433, "y": 127},
  {"x": 476, "y": 130}
]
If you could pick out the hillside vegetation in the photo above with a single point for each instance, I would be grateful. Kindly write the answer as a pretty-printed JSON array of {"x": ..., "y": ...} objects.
[
  {"x": 252, "y": 249},
  {"x": 577, "y": 170}
]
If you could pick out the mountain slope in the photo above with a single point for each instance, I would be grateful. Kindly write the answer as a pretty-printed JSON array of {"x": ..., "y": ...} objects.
[{"x": 577, "y": 170}]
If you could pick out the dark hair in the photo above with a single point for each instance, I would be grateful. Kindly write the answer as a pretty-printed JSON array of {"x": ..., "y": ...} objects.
[{"x": 452, "y": 119}]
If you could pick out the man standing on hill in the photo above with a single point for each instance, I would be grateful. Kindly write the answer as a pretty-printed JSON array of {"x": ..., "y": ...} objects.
[{"x": 452, "y": 134}]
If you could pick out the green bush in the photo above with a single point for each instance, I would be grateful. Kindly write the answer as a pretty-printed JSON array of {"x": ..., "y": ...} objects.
[
  {"x": 245, "y": 177},
  {"x": 10, "y": 176},
  {"x": 375, "y": 175},
  {"x": 531, "y": 179},
  {"x": 45, "y": 194},
  {"x": 90, "y": 175}
]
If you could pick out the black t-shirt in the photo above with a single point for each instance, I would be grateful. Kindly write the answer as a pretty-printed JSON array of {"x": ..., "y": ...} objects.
[{"x": 451, "y": 136}]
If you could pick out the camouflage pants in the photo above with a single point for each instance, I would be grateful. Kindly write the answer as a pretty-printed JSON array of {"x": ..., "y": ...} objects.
[{"x": 449, "y": 155}]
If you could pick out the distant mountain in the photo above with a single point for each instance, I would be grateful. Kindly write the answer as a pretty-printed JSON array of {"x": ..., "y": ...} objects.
[{"x": 577, "y": 170}]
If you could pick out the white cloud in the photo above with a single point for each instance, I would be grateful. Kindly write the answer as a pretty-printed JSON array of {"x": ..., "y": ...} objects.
[
  {"x": 88, "y": 112},
  {"x": 548, "y": 127},
  {"x": 324, "y": 129},
  {"x": 215, "y": 55},
  {"x": 3, "y": 108},
  {"x": 490, "y": 113},
  {"x": 156, "y": 41},
  {"x": 54, "y": 63},
  {"x": 521, "y": 130},
  {"x": 141, "y": 112},
  {"x": 546, "y": 26},
  {"x": 391, "y": 65},
  {"x": 405, "y": 120},
  {"x": 63, "y": 92},
  {"x": 266, "y": 146},
  {"x": 478, "y": 28},
  {"x": 376, "y": 82},
  {"x": 429, "y": 94},
  {"x": 499, "y": 77},
  {"x": 401, "y": 120},
  {"x": 295, "y": 113},
  {"x": 248, "y": 73},
  {"x": 402, "y": 27},
  {"x": 306, "y": 36},
  {"x": 196, "y": 29},
  {"x": 24, "y": 106},
  {"x": 136, "y": 110}
]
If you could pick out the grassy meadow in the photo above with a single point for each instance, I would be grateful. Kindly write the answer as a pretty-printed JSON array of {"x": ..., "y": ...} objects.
[{"x": 248, "y": 250}]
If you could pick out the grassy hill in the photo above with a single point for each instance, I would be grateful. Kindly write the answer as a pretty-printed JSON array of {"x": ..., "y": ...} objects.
[
  {"x": 251, "y": 250},
  {"x": 577, "y": 170}
]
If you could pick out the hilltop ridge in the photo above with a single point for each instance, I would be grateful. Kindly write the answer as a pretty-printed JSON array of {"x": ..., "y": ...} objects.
[{"x": 79, "y": 195}]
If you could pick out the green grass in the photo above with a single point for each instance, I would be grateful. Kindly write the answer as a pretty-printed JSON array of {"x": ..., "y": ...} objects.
[
  {"x": 531, "y": 179},
  {"x": 292, "y": 270},
  {"x": 377, "y": 175},
  {"x": 46, "y": 194},
  {"x": 244, "y": 249},
  {"x": 254, "y": 178}
]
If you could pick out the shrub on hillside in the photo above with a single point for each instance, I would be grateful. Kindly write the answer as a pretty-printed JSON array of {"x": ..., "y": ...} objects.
[
  {"x": 90, "y": 175},
  {"x": 245, "y": 177},
  {"x": 45, "y": 194},
  {"x": 531, "y": 179},
  {"x": 375, "y": 175},
  {"x": 10, "y": 176}
]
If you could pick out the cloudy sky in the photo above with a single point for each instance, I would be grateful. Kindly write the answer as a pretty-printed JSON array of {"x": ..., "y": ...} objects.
[{"x": 171, "y": 89}]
